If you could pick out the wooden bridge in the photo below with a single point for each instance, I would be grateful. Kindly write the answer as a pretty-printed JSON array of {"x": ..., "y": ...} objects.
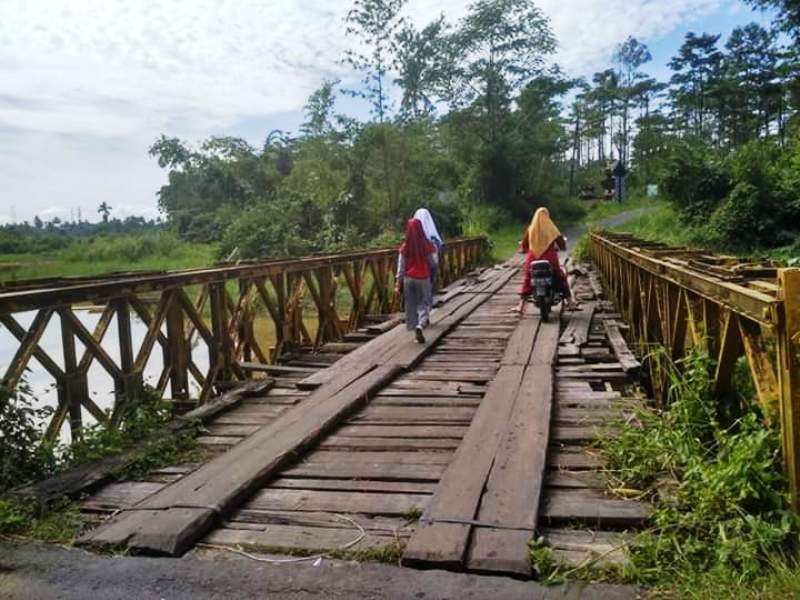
[{"x": 450, "y": 454}]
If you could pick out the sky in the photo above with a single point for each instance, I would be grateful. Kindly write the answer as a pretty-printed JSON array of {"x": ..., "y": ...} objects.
[{"x": 86, "y": 86}]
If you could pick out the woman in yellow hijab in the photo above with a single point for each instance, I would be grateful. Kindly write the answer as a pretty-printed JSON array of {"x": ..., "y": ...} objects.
[{"x": 542, "y": 241}]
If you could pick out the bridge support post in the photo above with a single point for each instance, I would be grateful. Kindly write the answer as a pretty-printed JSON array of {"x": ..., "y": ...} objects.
[
  {"x": 789, "y": 377},
  {"x": 222, "y": 356},
  {"x": 178, "y": 353},
  {"x": 131, "y": 385},
  {"x": 75, "y": 385}
]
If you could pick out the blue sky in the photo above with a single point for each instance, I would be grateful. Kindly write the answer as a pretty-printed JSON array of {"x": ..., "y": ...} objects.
[{"x": 88, "y": 85}]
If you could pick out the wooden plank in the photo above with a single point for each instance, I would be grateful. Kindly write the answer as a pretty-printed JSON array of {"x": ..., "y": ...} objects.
[
  {"x": 567, "y": 434},
  {"x": 313, "y": 539},
  {"x": 382, "y": 443},
  {"x": 403, "y": 431},
  {"x": 449, "y": 414},
  {"x": 520, "y": 344},
  {"x": 592, "y": 507},
  {"x": 413, "y": 457},
  {"x": 411, "y": 401},
  {"x": 515, "y": 483},
  {"x": 563, "y": 478},
  {"x": 376, "y": 471},
  {"x": 90, "y": 477},
  {"x": 338, "y": 502},
  {"x": 276, "y": 369},
  {"x": 578, "y": 323},
  {"x": 626, "y": 358},
  {"x": 580, "y": 459},
  {"x": 222, "y": 430},
  {"x": 459, "y": 492},
  {"x": 162, "y": 532},
  {"x": 354, "y": 485},
  {"x": 121, "y": 495},
  {"x": 223, "y": 482},
  {"x": 378, "y": 524}
]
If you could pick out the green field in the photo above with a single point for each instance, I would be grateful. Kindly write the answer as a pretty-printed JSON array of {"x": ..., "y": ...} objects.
[{"x": 108, "y": 254}]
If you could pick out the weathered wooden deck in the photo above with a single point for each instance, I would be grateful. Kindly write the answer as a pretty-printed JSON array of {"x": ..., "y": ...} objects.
[{"x": 452, "y": 454}]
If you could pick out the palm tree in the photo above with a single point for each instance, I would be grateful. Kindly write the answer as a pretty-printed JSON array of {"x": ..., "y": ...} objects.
[{"x": 105, "y": 210}]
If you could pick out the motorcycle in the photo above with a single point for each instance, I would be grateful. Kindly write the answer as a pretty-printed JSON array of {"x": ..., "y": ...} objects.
[{"x": 546, "y": 293}]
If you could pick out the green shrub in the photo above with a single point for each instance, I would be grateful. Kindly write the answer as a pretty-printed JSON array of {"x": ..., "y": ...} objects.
[
  {"x": 265, "y": 231},
  {"x": 580, "y": 251},
  {"x": 60, "y": 522},
  {"x": 719, "y": 492},
  {"x": 24, "y": 456},
  {"x": 695, "y": 178},
  {"x": 480, "y": 219},
  {"x": 740, "y": 220},
  {"x": 125, "y": 247}
]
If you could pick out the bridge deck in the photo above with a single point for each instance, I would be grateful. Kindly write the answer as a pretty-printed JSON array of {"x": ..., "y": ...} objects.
[{"x": 485, "y": 433}]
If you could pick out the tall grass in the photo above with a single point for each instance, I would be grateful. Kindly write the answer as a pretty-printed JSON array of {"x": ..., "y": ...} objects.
[
  {"x": 720, "y": 527},
  {"x": 155, "y": 250}
]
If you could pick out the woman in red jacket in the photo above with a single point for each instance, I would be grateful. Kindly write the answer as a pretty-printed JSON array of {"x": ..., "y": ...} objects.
[
  {"x": 417, "y": 257},
  {"x": 542, "y": 241}
]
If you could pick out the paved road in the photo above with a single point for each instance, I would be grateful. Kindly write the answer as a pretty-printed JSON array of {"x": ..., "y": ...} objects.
[{"x": 41, "y": 572}]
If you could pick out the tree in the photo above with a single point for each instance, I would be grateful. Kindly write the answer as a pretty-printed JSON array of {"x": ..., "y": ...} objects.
[
  {"x": 105, "y": 210},
  {"x": 788, "y": 17},
  {"x": 319, "y": 111},
  {"x": 503, "y": 44},
  {"x": 696, "y": 71},
  {"x": 630, "y": 55},
  {"x": 750, "y": 68},
  {"x": 374, "y": 23},
  {"x": 421, "y": 61}
]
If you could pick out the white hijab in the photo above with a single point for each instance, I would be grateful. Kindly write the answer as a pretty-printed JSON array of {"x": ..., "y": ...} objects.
[{"x": 424, "y": 216}]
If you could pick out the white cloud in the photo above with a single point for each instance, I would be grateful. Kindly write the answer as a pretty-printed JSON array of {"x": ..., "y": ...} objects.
[{"x": 88, "y": 84}]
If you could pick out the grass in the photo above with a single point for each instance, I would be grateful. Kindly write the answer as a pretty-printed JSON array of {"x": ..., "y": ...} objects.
[
  {"x": 157, "y": 251},
  {"x": 720, "y": 527},
  {"x": 663, "y": 224},
  {"x": 505, "y": 241},
  {"x": 59, "y": 523}
]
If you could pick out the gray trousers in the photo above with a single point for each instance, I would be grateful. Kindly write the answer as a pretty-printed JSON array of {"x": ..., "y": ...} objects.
[{"x": 417, "y": 293}]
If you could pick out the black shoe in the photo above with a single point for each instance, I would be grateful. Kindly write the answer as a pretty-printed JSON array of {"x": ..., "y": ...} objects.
[{"x": 418, "y": 334}]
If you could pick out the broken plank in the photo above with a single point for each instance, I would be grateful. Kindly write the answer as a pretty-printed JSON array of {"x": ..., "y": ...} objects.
[
  {"x": 626, "y": 358},
  {"x": 578, "y": 323}
]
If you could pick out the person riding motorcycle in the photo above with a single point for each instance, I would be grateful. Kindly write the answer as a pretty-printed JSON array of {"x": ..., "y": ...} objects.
[{"x": 542, "y": 241}]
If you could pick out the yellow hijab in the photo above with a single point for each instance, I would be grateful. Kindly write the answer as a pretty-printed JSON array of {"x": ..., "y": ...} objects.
[{"x": 542, "y": 232}]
